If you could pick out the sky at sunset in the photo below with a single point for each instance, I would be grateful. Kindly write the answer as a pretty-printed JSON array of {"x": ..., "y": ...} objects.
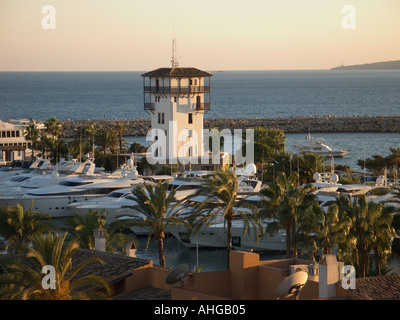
[{"x": 136, "y": 35}]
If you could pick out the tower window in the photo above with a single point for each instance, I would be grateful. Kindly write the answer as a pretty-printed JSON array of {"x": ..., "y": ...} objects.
[
  {"x": 190, "y": 117},
  {"x": 161, "y": 117},
  {"x": 174, "y": 99}
]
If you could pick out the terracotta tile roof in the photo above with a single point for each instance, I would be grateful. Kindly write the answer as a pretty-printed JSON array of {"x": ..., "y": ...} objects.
[
  {"x": 114, "y": 267},
  {"x": 145, "y": 293},
  {"x": 377, "y": 288},
  {"x": 176, "y": 72}
]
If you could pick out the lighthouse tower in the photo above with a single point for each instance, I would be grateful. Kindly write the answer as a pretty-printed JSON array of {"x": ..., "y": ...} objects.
[{"x": 176, "y": 99}]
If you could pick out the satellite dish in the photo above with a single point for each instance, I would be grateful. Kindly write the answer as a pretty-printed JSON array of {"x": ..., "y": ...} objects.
[
  {"x": 292, "y": 285},
  {"x": 334, "y": 178},
  {"x": 178, "y": 274},
  {"x": 316, "y": 177},
  {"x": 250, "y": 169}
]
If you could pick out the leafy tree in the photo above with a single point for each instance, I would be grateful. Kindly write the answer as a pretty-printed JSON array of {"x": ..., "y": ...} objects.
[
  {"x": 378, "y": 163},
  {"x": 137, "y": 148}
]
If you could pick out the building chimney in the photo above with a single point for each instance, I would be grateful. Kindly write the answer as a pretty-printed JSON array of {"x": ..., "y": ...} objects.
[
  {"x": 330, "y": 272},
  {"x": 100, "y": 236},
  {"x": 130, "y": 249}
]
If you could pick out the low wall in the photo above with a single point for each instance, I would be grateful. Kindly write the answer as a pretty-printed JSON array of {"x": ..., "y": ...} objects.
[{"x": 140, "y": 127}]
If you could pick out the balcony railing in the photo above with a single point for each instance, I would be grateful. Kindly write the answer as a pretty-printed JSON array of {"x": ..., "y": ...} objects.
[
  {"x": 203, "y": 106},
  {"x": 177, "y": 90},
  {"x": 149, "y": 106}
]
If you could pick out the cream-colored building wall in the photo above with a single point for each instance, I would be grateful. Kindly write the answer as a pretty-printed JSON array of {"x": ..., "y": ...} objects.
[{"x": 177, "y": 108}]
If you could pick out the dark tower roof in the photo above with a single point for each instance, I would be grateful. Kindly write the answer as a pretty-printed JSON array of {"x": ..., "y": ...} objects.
[{"x": 176, "y": 72}]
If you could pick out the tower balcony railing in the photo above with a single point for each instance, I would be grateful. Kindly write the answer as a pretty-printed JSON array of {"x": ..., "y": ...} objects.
[
  {"x": 149, "y": 106},
  {"x": 203, "y": 106},
  {"x": 176, "y": 90}
]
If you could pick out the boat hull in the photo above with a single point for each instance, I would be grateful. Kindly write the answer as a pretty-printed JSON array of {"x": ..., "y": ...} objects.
[{"x": 55, "y": 206}]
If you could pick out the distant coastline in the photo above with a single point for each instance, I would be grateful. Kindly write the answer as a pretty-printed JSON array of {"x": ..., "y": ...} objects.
[{"x": 371, "y": 66}]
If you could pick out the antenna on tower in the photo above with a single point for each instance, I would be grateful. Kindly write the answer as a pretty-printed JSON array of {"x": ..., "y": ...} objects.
[{"x": 174, "y": 60}]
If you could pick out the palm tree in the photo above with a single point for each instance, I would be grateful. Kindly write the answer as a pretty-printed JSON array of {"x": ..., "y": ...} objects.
[
  {"x": 89, "y": 133},
  {"x": 321, "y": 231},
  {"x": 159, "y": 209},
  {"x": 25, "y": 281},
  {"x": 308, "y": 165},
  {"x": 53, "y": 127},
  {"x": 285, "y": 201},
  {"x": 221, "y": 191},
  {"x": 32, "y": 135},
  {"x": 383, "y": 234},
  {"x": 83, "y": 227},
  {"x": 19, "y": 227},
  {"x": 120, "y": 127},
  {"x": 370, "y": 229},
  {"x": 106, "y": 139}
]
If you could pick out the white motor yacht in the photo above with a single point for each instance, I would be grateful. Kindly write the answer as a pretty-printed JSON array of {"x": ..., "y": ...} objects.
[
  {"x": 319, "y": 146},
  {"x": 115, "y": 204},
  {"x": 22, "y": 183},
  {"x": 214, "y": 235},
  {"x": 54, "y": 200}
]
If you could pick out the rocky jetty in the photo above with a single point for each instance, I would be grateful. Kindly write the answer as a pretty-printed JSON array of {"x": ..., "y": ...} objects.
[{"x": 312, "y": 124}]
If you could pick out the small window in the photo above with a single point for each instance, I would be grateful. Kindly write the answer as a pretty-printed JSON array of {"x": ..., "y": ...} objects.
[
  {"x": 190, "y": 133},
  {"x": 174, "y": 99},
  {"x": 190, "y": 117},
  {"x": 161, "y": 117}
]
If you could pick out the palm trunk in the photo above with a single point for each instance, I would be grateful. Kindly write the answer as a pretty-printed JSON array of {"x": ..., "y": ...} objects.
[
  {"x": 229, "y": 239},
  {"x": 288, "y": 240},
  {"x": 160, "y": 244},
  {"x": 361, "y": 260},
  {"x": 377, "y": 262}
]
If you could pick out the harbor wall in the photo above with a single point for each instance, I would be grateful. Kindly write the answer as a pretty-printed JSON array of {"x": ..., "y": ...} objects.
[{"x": 312, "y": 124}]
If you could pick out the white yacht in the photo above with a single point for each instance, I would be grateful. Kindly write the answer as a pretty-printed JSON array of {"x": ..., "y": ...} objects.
[
  {"x": 37, "y": 166},
  {"x": 319, "y": 146},
  {"x": 55, "y": 199},
  {"x": 214, "y": 235},
  {"x": 115, "y": 204},
  {"x": 22, "y": 183}
]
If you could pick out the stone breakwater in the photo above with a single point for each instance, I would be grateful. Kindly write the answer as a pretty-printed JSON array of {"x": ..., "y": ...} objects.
[{"x": 140, "y": 127}]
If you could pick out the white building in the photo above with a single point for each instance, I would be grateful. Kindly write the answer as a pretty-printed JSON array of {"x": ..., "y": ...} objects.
[
  {"x": 13, "y": 145},
  {"x": 176, "y": 99}
]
